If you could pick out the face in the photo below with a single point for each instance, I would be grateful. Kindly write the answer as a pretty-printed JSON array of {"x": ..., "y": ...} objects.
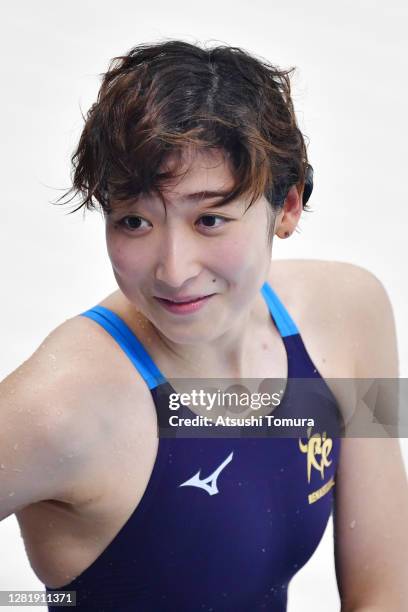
[{"x": 195, "y": 249}]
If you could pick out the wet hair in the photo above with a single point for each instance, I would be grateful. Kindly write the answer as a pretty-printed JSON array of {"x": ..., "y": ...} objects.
[{"x": 166, "y": 97}]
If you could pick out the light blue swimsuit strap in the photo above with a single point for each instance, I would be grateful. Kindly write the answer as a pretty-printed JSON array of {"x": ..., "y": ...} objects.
[
  {"x": 130, "y": 344},
  {"x": 282, "y": 318}
]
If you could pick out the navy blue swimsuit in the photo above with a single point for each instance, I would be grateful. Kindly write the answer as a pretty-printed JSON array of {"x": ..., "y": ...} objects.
[{"x": 233, "y": 542}]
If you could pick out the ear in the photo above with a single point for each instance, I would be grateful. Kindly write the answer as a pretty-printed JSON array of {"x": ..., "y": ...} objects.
[{"x": 288, "y": 218}]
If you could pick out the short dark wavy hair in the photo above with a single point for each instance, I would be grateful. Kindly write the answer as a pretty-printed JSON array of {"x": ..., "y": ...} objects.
[{"x": 161, "y": 98}]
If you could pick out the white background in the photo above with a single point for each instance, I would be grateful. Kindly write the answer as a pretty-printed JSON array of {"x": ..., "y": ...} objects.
[{"x": 350, "y": 93}]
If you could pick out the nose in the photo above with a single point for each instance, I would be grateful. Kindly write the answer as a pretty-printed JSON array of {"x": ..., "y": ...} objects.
[{"x": 178, "y": 259}]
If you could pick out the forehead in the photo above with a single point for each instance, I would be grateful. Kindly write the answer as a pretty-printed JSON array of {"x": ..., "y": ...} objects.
[{"x": 197, "y": 170}]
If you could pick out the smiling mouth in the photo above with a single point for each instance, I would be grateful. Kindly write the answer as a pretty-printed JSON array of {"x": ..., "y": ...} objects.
[
  {"x": 188, "y": 301},
  {"x": 188, "y": 307}
]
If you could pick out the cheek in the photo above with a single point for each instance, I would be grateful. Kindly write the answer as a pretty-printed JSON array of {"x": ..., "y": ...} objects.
[
  {"x": 240, "y": 255},
  {"x": 231, "y": 257},
  {"x": 118, "y": 256},
  {"x": 126, "y": 261}
]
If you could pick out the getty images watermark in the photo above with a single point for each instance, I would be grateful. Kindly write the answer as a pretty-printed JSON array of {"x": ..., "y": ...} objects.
[
  {"x": 199, "y": 398},
  {"x": 292, "y": 407}
]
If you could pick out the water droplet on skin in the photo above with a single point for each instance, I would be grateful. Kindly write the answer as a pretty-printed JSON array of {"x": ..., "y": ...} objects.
[
  {"x": 2, "y": 466},
  {"x": 15, "y": 446},
  {"x": 11, "y": 494},
  {"x": 282, "y": 469},
  {"x": 51, "y": 356},
  {"x": 352, "y": 524},
  {"x": 263, "y": 549}
]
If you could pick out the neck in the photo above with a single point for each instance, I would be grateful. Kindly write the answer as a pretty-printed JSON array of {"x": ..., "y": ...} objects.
[{"x": 229, "y": 355}]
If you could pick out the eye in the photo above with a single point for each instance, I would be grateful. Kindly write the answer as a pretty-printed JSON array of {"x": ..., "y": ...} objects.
[
  {"x": 211, "y": 218},
  {"x": 134, "y": 223},
  {"x": 131, "y": 222}
]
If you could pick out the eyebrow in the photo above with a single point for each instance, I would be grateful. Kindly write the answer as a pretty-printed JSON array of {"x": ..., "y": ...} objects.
[
  {"x": 207, "y": 195},
  {"x": 198, "y": 196}
]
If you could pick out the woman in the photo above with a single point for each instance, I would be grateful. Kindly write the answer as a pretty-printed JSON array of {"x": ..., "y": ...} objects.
[{"x": 196, "y": 161}]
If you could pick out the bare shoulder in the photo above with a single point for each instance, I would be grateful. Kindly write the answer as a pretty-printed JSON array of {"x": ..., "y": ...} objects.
[
  {"x": 335, "y": 287},
  {"x": 67, "y": 362},
  {"x": 54, "y": 420},
  {"x": 342, "y": 305},
  {"x": 335, "y": 276},
  {"x": 72, "y": 360}
]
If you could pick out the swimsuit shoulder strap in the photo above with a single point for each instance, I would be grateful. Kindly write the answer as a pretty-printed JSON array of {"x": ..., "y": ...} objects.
[
  {"x": 300, "y": 364},
  {"x": 280, "y": 315},
  {"x": 129, "y": 342}
]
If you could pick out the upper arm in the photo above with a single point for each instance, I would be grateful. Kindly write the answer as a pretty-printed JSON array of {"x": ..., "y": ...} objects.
[
  {"x": 371, "y": 496},
  {"x": 42, "y": 451}
]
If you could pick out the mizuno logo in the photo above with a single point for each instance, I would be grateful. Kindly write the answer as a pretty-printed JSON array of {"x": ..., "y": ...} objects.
[{"x": 209, "y": 484}]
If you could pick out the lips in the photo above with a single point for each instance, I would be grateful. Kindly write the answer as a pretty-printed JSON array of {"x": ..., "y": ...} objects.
[
  {"x": 183, "y": 300},
  {"x": 184, "y": 307}
]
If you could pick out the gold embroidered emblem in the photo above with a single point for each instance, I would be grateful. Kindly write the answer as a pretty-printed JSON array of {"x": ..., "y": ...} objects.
[
  {"x": 313, "y": 497},
  {"x": 317, "y": 449}
]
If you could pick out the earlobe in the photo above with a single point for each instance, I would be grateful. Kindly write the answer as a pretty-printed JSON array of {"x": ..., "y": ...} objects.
[
  {"x": 283, "y": 234},
  {"x": 288, "y": 218}
]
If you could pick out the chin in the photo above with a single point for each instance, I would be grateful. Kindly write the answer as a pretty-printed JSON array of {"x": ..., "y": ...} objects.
[{"x": 183, "y": 332}]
